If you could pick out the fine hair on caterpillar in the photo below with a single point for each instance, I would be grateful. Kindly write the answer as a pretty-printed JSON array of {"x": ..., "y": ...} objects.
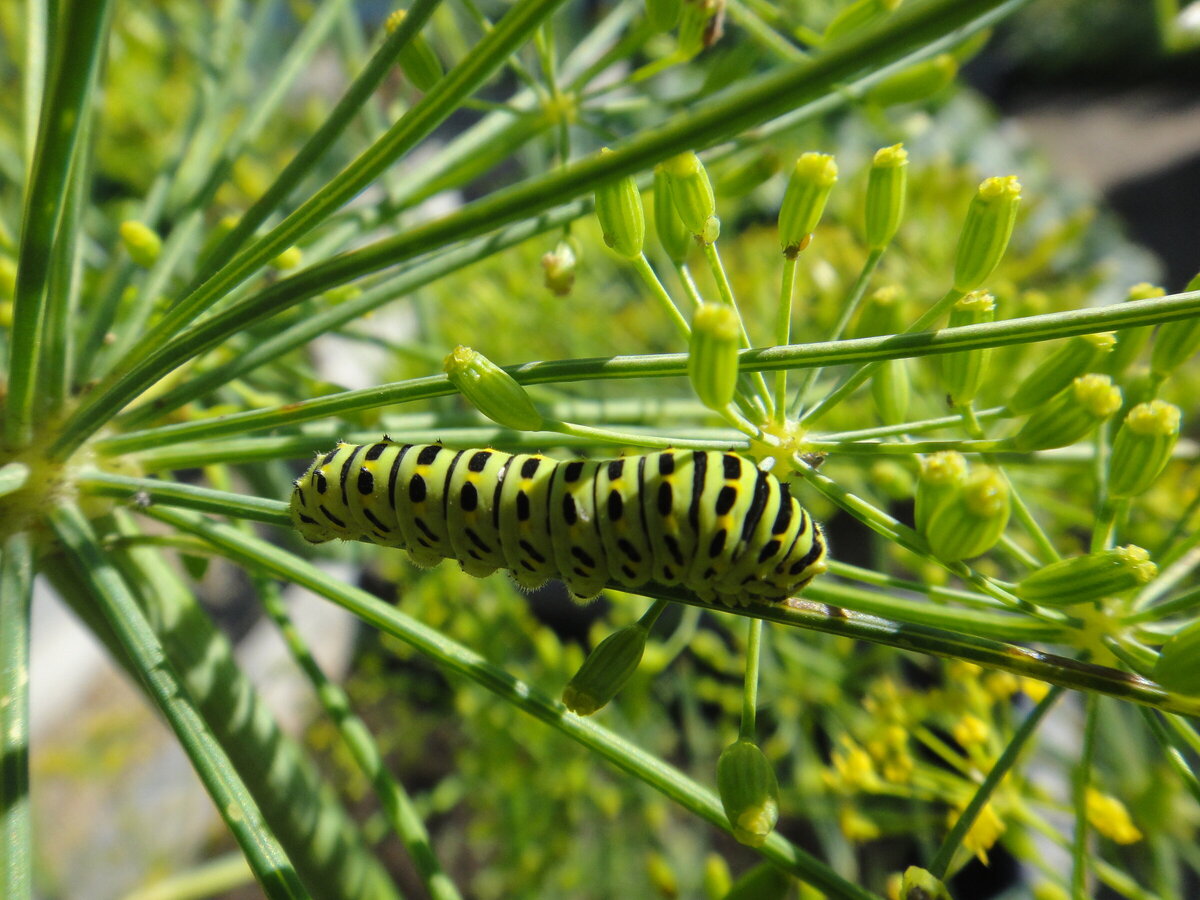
[{"x": 709, "y": 521}]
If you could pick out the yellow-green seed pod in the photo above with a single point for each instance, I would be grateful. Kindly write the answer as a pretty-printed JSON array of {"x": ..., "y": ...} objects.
[
  {"x": 858, "y": 15},
  {"x": 1072, "y": 358},
  {"x": 713, "y": 354},
  {"x": 1178, "y": 665},
  {"x": 918, "y": 82},
  {"x": 970, "y": 523},
  {"x": 1132, "y": 340},
  {"x": 890, "y": 391},
  {"x": 919, "y": 884},
  {"x": 763, "y": 882},
  {"x": 559, "y": 266},
  {"x": 1142, "y": 447},
  {"x": 288, "y": 259},
  {"x": 1084, "y": 579},
  {"x": 141, "y": 243},
  {"x": 673, "y": 235},
  {"x": 941, "y": 477},
  {"x": 417, "y": 58},
  {"x": 693, "y": 196},
  {"x": 986, "y": 231},
  {"x": 749, "y": 792},
  {"x": 1071, "y": 415},
  {"x": 804, "y": 200},
  {"x": 962, "y": 372},
  {"x": 887, "y": 187},
  {"x": 701, "y": 24},
  {"x": 491, "y": 390},
  {"x": 8, "y": 277},
  {"x": 1176, "y": 342},
  {"x": 605, "y": 671},
  {"x": 663, "y": 15},
  {"x": 622, "y": 219},
  {"x": 717, "y": 880}
]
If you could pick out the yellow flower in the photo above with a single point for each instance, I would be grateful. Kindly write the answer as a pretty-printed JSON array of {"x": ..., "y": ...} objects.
[
  {"x": 854, "y": 766},
  {"x": 855, "y": 826},
  {"x": 1109, "y": 816},
  {"x": 1035, "y": 690},
  {"x": 984, "y": 831},
  {"x": 971, "y": 730}
]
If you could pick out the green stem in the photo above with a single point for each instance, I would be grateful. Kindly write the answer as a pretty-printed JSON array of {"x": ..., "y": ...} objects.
[
  {"x": 750, "y": 684},
  {"x": 763, "y": 396},
  {"x": 16, "y": 840},
  {"x": 940, "y": 867},
  {"x": 783, "y": 333},
  {"x": 1083, "y": 773},
  {"x": 642, "y": 266}
]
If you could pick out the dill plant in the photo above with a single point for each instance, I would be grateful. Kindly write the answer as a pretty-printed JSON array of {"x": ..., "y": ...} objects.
[{"x": 176, "y": 229}]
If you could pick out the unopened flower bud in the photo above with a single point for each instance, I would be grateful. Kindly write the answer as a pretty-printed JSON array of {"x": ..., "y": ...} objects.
[
  {"x": 417, "y": 58},
  {"x": 962, "y": 372},
  {"x": 663, "y": 15},
  {"x": 881, "y": 312},
  {"x": 970, "y": 522},
  {"x": 764, "y": 882},
  {"x": 661, "y": 875},
  {"x": 701, "y": 24},
  {"x": 1176, "y": 342},
  {"x": 890, "y": 391},
  {"x": 941, "y": 477},
  {"x": 1070, "y": 415},
  {"x": 1178, "y": 666},
  {"x": 693, "y": 195},
  {"x": 713, "y": 354},
  {"x": 917, "y": 82},
  {"x": 887, "y": 186},
  {"x": 920, "y": 884},
  {"x": 288, "y": 259},
  {"x": 717, "y": 880},
  {"x": 622, "y": 220},
  {"x": 749, "y": 792},
  {"x": 1142, "y": 447},
  {"x": 605, "y": 671},
  {"x": 673, "y": 235},
  {"x": 1073, "y": 357},
  {"x": 858, "y": 15},
  {"x": 892, "y": 479},
  {"x": 491, "y": 390},
  {"x": 1083, "y": 579},
  {"x": 559, "y": 266},
  {"x": 804, "y": 200},
  {"x": 1131, "y": 341},
  {"x": 986, "y": 231},
  {"x": 141, "y": 243}
]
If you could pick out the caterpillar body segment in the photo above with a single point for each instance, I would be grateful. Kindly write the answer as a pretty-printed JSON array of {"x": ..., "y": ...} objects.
[{"x": 709, "y": 521}]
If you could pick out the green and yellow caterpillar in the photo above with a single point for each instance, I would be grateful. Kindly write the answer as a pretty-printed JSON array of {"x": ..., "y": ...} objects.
[{"x": 709, "y": 521}]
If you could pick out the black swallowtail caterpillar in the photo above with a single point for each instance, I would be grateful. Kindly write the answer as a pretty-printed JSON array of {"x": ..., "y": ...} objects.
[{"x": 711, "y": 522}]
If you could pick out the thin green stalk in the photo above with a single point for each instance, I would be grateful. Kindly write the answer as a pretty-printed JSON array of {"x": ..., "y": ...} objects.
[
  {"x": 401, "y": 813},
  {"x": 856, "y": 378},
  {"x": 16, "y": 839},
  {"x": 212, "y": 878},
  {"x": 642, "y": 266},
  {"x": 763, "y": 34},
  {"x": 906, "y": 428},
  {"x": 146, "y": 491},
  {"x": 83, "y": 30},
  {"x": 456, "y": 658},
  {"x": 783, "y": 333},
  {"x": 849, "y": 308},
  {"x": 750, "y": 683},
  {"x": 1079, "y": 787},
  {"x": 968, "y": 337},
  {"x": 726, "y": 292},
  {"x": 904, "y": 448},
  {"x": 235, "y": 804},
  {"x": 33, "y": 76},
  {"x": 631, "y": 439},
  {"x": 914, "y": 30},
  {"x": 940, "y": 867}
]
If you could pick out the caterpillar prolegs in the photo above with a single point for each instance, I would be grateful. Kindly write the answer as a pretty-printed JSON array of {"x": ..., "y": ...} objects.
[{"x": 709, "y": 521}]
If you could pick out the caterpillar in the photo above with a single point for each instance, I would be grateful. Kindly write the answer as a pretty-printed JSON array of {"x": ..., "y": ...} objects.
[{"x": 712, "y": 522}]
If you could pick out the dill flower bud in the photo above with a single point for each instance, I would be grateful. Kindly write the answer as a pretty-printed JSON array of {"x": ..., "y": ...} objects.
[
  {"x": 804, "y": 200},
  {"x": 701, "y": 24},
  {"x": 693, "y": 196},
  {"x": 1142, "y": 447},
  {"x": 890, "y": 391},
  {"x": 713, "y": 354},
  {"x": 418, "y": 61},
  {"x": 1070, "y": 415},
  {"x": 1132, "y": 340},
  {"x": 986, "y": 231},
  {"x": 749, "y": 792},
  {"x": 919, "y": 884},
  {"x": 1083, "y": 579},
  {"x": 881, "y": 312},
  {"x": 962, "y": 372},
  {"x": 918, "y": 81},
  {"x": 559, "y": 266},
  {"x": 622, "y": 220},
  {"x": 491, "y": 390},
  {"x": 288, "y": 259},
  {"x": 141, "y": 243},
  {"x": 970, "y": 522},
  {"x": 673, "y": 235},
  {"x": 717, "y": 880},
  {"x": 763, "y": 882},
  {"x": 1109, "y": 816},
  {"x": 941, "y": 477},
  {"x": 1178, "y": 665},
  {"x": 887, "y": 187},
  {"x": 858, "y": 15},
  {"x": 663, "y": 15},
  {"x": 605, "y": 670},
  {"x": 1175, "y": 342},
  {"x": 1074, "y": 357}
]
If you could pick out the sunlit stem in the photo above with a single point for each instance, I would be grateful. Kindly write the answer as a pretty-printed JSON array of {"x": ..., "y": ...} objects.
[
  {"x": 750, "y": 687},
  {"x": 726, "y": 292},
  {"x": 783, "y": 332},
  {"x": 646, "y": 271}
]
